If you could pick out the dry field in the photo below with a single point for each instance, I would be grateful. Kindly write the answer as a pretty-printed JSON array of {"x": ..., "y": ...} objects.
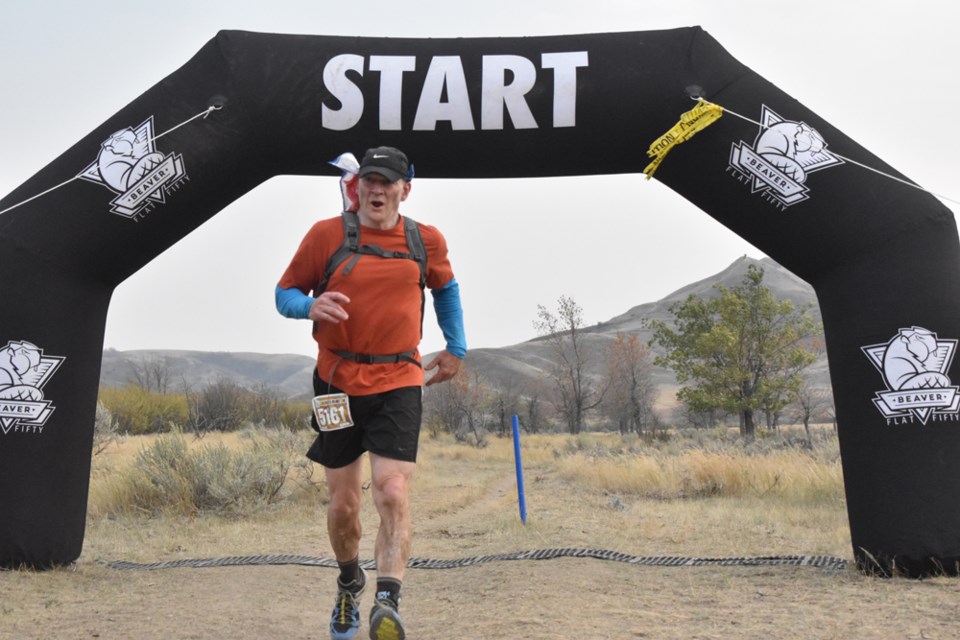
[{"x": 592, "y": 492}]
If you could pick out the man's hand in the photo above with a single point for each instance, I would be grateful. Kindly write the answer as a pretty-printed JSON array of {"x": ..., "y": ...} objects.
[
  {"x": 447, "y": 366},
  {"x": 328, "y": 307}
]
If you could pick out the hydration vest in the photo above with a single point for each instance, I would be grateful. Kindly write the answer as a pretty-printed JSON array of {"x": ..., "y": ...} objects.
[{"x": 351, "y": 250}]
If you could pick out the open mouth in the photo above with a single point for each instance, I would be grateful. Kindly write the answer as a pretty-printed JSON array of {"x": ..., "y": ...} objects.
[{"x": 377, "y": 203}]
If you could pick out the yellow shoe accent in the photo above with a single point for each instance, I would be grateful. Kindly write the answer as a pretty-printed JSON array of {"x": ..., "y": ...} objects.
[{"x": 388, "y": 630}]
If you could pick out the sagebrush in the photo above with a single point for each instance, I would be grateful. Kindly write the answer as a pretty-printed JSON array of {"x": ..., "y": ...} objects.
[{"x": 171, "y": 476}]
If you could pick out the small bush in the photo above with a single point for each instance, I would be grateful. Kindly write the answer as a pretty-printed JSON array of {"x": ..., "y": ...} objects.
[
  {"x": 171, "y": 477},
  {"x": 105, "y": 429},
  {"x": 138, "y": 412},
  {"x": 295, "y": 416}
]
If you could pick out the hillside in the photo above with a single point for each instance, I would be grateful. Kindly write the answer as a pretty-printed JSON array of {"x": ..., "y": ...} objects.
[
  {"x": 288, "y": 374},
  {"x": 518, "y": 366},
  {"x": 521, "y": 364}
]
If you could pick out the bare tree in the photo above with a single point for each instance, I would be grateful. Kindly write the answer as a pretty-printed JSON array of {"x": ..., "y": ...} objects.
[
  {"x": 685, "y": 415},
  {"x": 218, "y": 407},
  {"x": 459, "y": 407},
  {"x": 150, "y": 374},
  {"x": 221, "y": 403},
  {"x": 265, "y": 406},
  {"x": 472, "y": 406},
  {"x": 574, "y": 387},
  {"x": 811, "y": 402},
  {"x": 505, "y": 398},
  {"x": 441, "y": 407},
  {"x": 630, "y": 389},
  {"x": 533, "y": 419}
]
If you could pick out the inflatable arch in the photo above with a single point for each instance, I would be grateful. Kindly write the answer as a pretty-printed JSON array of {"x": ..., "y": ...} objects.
[{"x": 881, "y": 255}]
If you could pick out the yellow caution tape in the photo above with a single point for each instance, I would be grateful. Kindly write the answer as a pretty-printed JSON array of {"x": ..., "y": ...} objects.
[{"x": 700, "y": 117}]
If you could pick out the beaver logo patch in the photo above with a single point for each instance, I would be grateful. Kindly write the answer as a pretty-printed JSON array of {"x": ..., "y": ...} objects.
[
  {"x": 24, "y": 370},
  {"x": 914, "y": 365},
  {"x": 781, "y": 159},
  {"x": 130, "y": 165}
]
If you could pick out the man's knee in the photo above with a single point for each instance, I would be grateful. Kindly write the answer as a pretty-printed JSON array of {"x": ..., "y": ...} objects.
[
  {"x": 343, "y": 505},
  {"x": 391, "y": 482},
  {"x": 391, "y": 492},
  {"x": 345, "y": 499}
]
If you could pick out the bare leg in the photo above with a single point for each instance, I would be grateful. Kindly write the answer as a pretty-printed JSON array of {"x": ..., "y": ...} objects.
[
  {"x": 343, "y": 512},
  {"x": 391, "y": 484}
]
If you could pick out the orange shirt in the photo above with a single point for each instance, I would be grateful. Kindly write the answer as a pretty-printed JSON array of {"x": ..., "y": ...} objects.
[{"x": 384, "y": 303}]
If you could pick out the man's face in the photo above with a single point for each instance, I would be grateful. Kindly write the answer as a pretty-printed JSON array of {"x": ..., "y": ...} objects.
[{"x": 380, "y": 200}]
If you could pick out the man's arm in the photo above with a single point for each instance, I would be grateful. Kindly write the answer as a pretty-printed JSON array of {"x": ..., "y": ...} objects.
[
  {"x": 446, "y": 303},
  {"x": 293, "y": 303}
]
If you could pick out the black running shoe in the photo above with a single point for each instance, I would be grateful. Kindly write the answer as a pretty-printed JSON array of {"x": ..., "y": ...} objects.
[
  {"x": 385, "y": 623},
  {"x": 345, "y": 620}
]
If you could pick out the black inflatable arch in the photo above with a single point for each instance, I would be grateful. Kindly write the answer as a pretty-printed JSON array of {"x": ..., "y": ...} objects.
[{"x": 882, "y": 256}]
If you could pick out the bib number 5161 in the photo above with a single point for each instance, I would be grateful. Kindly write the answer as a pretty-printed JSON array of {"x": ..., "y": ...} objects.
[{"x": 332, "y": 411}]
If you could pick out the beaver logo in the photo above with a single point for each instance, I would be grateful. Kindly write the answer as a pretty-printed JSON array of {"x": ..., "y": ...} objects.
[
  {"x": 914, "y": 365},
  {"x": 24, "y": 370},
  {"x": 130, "y": 165},
  {"x": 783, "y": 155}
]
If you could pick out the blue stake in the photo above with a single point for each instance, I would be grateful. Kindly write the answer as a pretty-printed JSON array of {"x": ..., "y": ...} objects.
[{"x": 516, "y": 454}]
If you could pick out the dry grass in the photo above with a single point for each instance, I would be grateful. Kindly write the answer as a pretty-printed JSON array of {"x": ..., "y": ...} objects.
[
  {"x": 788, "y": 476},
  {"x": 223, "y": 474},
  {"x": 595, "y": 491}
]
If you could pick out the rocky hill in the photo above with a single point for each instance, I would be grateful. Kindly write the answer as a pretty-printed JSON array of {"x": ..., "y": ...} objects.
[{"x": 517, "y": 365}]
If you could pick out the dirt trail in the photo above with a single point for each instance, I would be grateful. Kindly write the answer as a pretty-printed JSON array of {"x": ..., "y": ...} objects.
[
  {"x": 565, "y": 598},
  {"x": 466, "y": 508}
]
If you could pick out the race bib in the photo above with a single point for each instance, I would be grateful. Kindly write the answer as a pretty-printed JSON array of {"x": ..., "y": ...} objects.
[{"x": 332, "y": 411}]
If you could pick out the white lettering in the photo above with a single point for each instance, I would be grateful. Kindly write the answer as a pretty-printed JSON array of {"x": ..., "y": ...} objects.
[
  {"x": 10, "y": 409},
  {"x": 444, "y": 71},
  {"x": 391, "y": 70},
  {"x": 497, "y": 94},
  {"x": 920, "y": 397},
  {"x": 505, "y": 82},
  {"x": 350, "y": 97},
  {"x": 564, "y": 67}
]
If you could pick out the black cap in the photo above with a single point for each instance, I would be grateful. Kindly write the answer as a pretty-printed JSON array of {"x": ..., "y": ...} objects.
[{"x": 388, "y": 162}]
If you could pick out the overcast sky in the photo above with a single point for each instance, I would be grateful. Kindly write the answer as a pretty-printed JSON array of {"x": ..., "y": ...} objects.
[{"x": 883, "y": 72}]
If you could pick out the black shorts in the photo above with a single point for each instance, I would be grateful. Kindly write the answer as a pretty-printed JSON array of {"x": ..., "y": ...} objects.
[{"x": 387, "y": 424}]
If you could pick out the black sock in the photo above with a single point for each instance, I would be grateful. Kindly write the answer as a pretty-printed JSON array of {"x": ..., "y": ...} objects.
[
  {"x": 349, "y": 571},
  {"x": 389, "y": 589}
]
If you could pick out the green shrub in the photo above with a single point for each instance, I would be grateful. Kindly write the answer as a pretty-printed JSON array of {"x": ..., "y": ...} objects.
[
  {"x": 171, "y": 477},
  {"x": 138, "y": 412}
]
